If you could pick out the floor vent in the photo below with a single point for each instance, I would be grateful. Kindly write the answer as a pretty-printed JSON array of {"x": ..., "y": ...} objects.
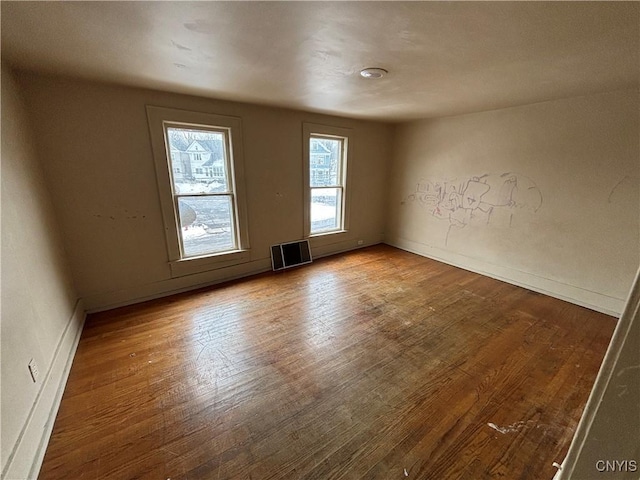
[{"x": 291, "y": 254}]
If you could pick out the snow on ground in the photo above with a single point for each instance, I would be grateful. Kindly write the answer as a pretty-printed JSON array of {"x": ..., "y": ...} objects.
[
  {"x": 320, "y": 211},
  {"x": 195, "y": 235},
  {"x": 193, "y": 231},
  {"x": 187, "y": 188}
]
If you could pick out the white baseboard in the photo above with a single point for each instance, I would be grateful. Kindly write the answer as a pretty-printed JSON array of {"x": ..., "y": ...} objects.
[
  {"x": 553, "y": 288},
  {"x": 26, "y": 458},
  {"x": 558, "y": 473},
  {"x": 172, "y": 286}
]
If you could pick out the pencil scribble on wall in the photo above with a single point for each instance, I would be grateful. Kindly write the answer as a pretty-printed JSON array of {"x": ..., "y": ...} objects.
[
  {"x": 618, "y": 187},
  {"x": 490, "y": 199}
]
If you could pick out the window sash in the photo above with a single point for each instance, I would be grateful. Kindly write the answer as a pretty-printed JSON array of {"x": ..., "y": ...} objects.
[
  {"x": 339, "y": 212},
  {"x": 233, "y": 221},
  {"x": 333, "y": 187},
  {"x": 212, "y": 194},
  {"x": 227, "y": 161},
  {"x": 339, "y": 185},
  {"x": 340, "y": 174},
  {"x": 227, "y": 170}
]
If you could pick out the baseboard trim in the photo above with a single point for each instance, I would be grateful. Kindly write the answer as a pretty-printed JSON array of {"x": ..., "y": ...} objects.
[
  {"x": 173, "y": 286},
  {"x": 341, "y": 247},
  {"x": 558, "y": 472},
  {"x": 553, "y": 288},
  {"x": 26, "y": 459}
]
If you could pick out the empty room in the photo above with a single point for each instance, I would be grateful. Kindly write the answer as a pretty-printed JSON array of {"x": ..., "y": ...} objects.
[{"x": 320, "y": 240}]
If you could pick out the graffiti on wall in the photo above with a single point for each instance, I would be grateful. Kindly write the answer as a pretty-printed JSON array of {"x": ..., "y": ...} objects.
[{"x": 490, "y": 199}]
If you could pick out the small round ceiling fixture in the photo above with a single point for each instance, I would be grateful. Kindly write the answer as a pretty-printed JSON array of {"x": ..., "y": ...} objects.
[{"x": 373, "y": 72}]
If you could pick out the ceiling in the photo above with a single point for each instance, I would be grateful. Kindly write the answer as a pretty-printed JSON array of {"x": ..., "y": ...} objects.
[{"x": 443, "y": 58}]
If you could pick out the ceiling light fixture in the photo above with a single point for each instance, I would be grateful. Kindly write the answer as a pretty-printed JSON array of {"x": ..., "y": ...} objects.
[{"x": 373, "y": 72}]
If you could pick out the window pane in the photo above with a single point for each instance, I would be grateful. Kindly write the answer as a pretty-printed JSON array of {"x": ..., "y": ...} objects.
[
  {"x": 198, "y": 161},
  {"x": 324, "y": 161},
  {"x": 326, "y": 209},
  {"x": 207, "y": 224}
]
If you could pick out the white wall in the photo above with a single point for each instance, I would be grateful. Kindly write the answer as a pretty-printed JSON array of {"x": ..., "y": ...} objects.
[
  {"x": 571, "y": 228},
  {"x": 41, "y": 319},
  {"x": 100, "y": 171}
]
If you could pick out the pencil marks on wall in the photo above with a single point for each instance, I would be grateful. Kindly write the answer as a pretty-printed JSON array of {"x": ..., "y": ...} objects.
[
  {"x": 617, "y": 188},
  {"x": 489, "y": 199}
]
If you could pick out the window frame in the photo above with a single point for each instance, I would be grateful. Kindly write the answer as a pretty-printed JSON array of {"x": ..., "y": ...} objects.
[
  {"x": 311, "y": 130},
  {"x": 202, "y": 171},
  {"x": 161, "y": 118}
]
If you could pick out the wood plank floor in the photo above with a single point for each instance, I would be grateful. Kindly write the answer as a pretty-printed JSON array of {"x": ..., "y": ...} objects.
[{"x": 376, "y": 364}]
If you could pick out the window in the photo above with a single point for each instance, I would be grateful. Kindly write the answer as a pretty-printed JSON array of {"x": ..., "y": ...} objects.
[
  {"x": 205, "y": 218},
  {"x": 326, "y": 175}
]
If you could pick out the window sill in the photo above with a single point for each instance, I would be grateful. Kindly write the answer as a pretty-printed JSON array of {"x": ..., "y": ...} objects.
[
  {"x": 324, "y": 234},
  {"x": 190, "y": 266}
]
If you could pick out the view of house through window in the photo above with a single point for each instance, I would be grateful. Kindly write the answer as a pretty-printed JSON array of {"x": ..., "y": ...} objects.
[
  {"x": 326, "y": 171},
  {"x": 202, "y": 190}
]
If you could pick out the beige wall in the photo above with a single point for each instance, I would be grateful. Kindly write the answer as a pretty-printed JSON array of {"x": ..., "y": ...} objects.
[
  {"x": 94, "y": 140},
  {"x": 568, "y": 224},
  {"x": 610, "y": 447},
  {"x": 38, "y": 298},
  {"x": 570, "y": 227}
]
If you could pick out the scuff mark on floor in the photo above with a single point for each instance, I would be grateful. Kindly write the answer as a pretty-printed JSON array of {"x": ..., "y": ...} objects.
[{"x": 514, "y": 427}]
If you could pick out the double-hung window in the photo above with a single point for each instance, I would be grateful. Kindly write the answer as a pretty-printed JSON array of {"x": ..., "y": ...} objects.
[
  {"x": 325, "y": 170},
  {"x": 205, "y": 217}
]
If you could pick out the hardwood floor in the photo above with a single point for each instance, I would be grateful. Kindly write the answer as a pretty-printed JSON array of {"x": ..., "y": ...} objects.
[{"x": 377, "y": 364}]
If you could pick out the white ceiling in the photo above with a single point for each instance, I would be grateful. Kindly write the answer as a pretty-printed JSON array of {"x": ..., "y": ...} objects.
[{"x": 444, "y": 58}]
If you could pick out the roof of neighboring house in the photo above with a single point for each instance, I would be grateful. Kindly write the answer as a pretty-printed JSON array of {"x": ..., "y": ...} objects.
[
  {"x": 182, "y": 144},
  {"x": 178, "y": 142},
  {"x": 318, "y": 148},
  {"x": 212, "y": 146}
]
